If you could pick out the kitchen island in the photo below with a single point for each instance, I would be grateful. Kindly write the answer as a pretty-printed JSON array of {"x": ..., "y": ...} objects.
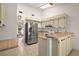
[{"x": 55, "y": 44}]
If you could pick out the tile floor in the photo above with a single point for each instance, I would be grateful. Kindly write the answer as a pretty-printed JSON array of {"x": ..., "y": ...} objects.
[
  {"x": 74, "y": 53},
  {"x": 27, "y": 50}
]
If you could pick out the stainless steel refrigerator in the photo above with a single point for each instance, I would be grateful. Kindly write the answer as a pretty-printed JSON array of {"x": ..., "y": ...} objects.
[{"x": 31, "y": 33}]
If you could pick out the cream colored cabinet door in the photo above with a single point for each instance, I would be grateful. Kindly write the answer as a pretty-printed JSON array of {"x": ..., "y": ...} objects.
[
  {"x": 42, "y": 25},
  {"x": 68, "y": 45},
  {"x": 62, "y": 22},
  {"x": 62, "y": 47},
  {"x": 39, "y": 25},
  {"x": 45, "y": 23},
  {"x": 71, "y": 41},
  {"x": 55, "y": 23},
  {"x": 52, "y": 23}
]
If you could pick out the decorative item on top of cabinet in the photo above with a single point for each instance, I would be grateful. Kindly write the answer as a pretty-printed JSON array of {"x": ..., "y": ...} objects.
[{"x": 2, "y": 15}]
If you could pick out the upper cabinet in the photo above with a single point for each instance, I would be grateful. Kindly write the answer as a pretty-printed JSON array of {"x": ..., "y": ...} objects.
[
  {"x": 62, "y": 22},
  {"x": 2, "y": 14},
  {"x": 58, "y": 22},
  {"x": 55, "y": 23}
]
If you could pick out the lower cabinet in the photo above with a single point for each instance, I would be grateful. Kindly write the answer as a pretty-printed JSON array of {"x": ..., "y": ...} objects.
[
  {"x": 58, "y": 47},
  {"x": 65, "y": 46},
  {"x": 62, "y": 48}
]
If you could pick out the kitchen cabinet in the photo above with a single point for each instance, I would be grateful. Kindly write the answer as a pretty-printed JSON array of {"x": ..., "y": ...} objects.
[
  {"x": 64, "y": 46},
  {"x": 55, "y": 23},
  {"x": 71, "y": 42},
  {"x": 61, "y": 43},
  {"x": 43, "y": 25},
  {"x": 62, "y": 22},
  {"x": 59, "y": 22},
  {"x": 52, "y": 23},
  {"x": 69, "y": 45},
  {"x": 39, "y": 25},
  {"x": 55, "y": 44}
]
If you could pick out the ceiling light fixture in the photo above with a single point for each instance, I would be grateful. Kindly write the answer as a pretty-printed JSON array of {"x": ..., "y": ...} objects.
[{"x": 46, "y": 5}]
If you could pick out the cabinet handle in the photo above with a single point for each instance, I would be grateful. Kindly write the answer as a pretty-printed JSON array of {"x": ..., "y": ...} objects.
[{"x": 62, "y": 39}]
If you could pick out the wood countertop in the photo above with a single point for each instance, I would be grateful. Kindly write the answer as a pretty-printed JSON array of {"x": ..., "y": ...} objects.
[
  {"x": 41, "y": 35},
  {"x": 56, "y": 35}
]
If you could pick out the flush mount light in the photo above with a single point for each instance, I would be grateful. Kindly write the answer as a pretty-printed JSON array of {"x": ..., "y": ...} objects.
[{"x": 46, "y": 5}]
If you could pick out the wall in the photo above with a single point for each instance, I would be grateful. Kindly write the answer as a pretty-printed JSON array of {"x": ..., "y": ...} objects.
[
  {"x": 73, "y": 11},
  {"x": 9, "y": 31},
  {"x": 28, "y": 11}
]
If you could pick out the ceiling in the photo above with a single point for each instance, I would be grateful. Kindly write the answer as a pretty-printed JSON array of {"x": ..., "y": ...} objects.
[
  {"x": 37, "y": 5},
  {"x": 34, "y": 5}
]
